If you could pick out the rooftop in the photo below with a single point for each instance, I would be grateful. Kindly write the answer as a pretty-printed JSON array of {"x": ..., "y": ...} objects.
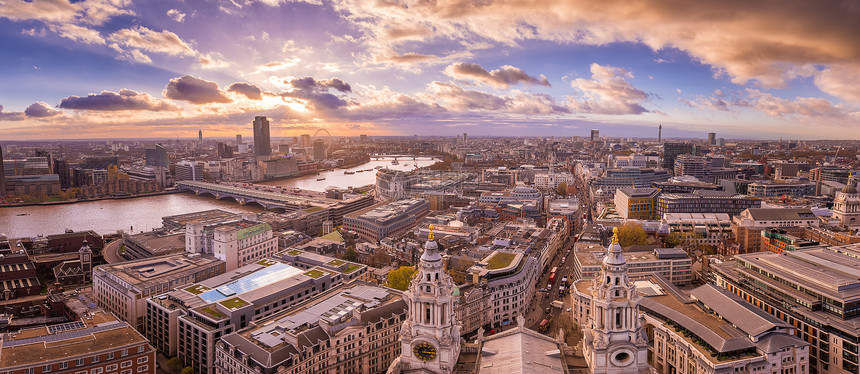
[
  {"x": 150, "y": 271},
  {"x": 520, "y": 351},
  {"x": 32, "y": 347}
]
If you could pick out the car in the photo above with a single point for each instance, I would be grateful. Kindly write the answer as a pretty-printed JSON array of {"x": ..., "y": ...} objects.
[
  {"x": 542, "y": 290},
  {"x": 548, "y": 310}
]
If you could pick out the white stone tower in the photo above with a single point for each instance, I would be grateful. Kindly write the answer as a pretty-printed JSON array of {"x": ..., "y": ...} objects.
[
  {"x": 615, "y": 341},
  {"x": 846, "y": 206},
  {"x": 430, "y": 337}
]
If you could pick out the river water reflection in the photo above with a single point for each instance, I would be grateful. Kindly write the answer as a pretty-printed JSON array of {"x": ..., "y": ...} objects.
[{"x": 144, "y": 214}]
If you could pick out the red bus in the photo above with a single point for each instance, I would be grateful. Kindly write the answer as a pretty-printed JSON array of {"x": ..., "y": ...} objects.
[
  {"x": 552, "y": 275},
  {"x": 543, "y": 325}
]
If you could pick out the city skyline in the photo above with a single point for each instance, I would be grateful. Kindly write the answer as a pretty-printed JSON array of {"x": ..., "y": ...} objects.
[{"x": 99, "y": 69}]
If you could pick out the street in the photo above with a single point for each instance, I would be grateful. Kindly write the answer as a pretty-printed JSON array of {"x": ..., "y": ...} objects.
[{"x": 543, "y": 299}]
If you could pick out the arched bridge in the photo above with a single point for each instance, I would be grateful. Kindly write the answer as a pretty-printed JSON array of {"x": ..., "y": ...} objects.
[{"x": 251, "y": 195}]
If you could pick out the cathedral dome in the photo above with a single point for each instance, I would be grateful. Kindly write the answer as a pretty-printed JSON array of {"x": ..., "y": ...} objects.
[
  {"x": 849, "y": 189},
  {"x": 431, "y": 249}
]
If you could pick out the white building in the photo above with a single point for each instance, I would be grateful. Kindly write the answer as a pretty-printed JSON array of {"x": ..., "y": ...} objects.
[
  {"x": 846, "y": 207},
  {"x": 552, "y": 180},
  {"x": 237, "y": 242},
  {"x": 430, "y": 337}
]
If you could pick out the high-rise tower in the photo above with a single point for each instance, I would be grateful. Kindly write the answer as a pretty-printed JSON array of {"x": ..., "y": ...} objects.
[
  {"x": 660, "y": 134},
  {"x": 614, "y": 337},
  {"x": 200, "y": 135},
  {"x": 430, "y": 336},
  {"x": 262, "y": 141}
]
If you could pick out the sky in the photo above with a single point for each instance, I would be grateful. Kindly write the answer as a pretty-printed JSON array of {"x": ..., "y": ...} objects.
[{"x": 764, "y": 69}]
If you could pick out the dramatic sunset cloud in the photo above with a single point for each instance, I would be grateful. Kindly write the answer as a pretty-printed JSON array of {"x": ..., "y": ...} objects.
[{"x": 504, "y": 67}]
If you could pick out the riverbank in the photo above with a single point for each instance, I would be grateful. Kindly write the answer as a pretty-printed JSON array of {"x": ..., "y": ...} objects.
[{"x": 75, "y": 201}]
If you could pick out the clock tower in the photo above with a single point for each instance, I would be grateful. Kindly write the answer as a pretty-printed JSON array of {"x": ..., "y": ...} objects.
[
  {"x": 614, "y": 336},
  {"x": 430, "y": 336}
]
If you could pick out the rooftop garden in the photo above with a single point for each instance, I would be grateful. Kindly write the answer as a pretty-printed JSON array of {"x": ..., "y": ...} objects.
[
  {"x": 500, "y": 260},
  {"x": 294, "y": 252},
  {"x": 335, "y": 263},
  {"x": 313, "y": 209},
  {"x": 351, "y": 268},
  {"x": 212, "y": 312},
  {"x": 234, "y": 303},
  {"x": 266, "y": 262},
  {"x": 197, "y": 289},
  {"x": 314, "y": 273}
]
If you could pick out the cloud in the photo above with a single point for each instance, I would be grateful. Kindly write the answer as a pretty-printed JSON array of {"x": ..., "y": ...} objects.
[
  {"x": 135, "y": 55},
  {"x": 93, "y": 12},
  {"x": 41, "y": 110},
  {"x": 176, "y": 15},
  {"x": 607, "y": 92},
  {"x": 407, "y": 58},
  {"x": 278, "y": 65},
  {"x": 112, "y": 101},
  {"x": 504, "y": 77},
  {"x": 315, "y": 92},
  {"x": 144, "y": 39},
  {"x": 803, "y": 107},
  {"x": 195, "y": 90},
  {"x": 840, "y": 80},
  {"x": 33, "y": 32},
  {"x": 78, "y": 33},
  {"x": 743, "y": 41},
  {"x": 212, "y": 60},
  {"x": 309, "y": 83},
  {"x": 11, "y": 116},
  {"x": 457, "y": 98},
  {"x": 249, "y": 90}
]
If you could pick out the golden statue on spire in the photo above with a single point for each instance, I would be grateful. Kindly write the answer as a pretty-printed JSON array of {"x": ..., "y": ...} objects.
[
  {"x": 614, "y": 235},
  {"x": 430, "y": 237}
]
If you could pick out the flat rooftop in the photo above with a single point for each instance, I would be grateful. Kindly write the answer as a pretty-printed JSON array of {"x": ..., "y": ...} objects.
[
  {"x": 142, "y": 273},
  {"x": 35, "y": 346},
  {"x": 159, "y": 242},
  {"x": 833, "y": 271}
]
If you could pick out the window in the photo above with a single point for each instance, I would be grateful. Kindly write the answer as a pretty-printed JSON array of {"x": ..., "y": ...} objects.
[
  {"x": 29, "y": 371},
  {"x": 80, "y": 362},
  {"x": 141, "y": 349},
  {"x": 96, "y": 371},
  {"x": 111, "y": 367},
  {"x": 46, "y": 368},
  {"x": 125, "y": 364},
  {"x": 143, "y": 368},
  {"x": 124, "y": 353},
  {"x": 110, "y": 356},
  {"x": 141, "y": 360},
  {"x": 64, "y": 365},
  {"x": 95, "y": 359}
]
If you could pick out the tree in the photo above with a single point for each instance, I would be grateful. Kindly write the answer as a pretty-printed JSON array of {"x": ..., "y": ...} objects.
[
  {"x": 350, "y": 254},
  {"x": 561, "y": 189},
  {"x": 174, "y": 364},
  {"x": 631, "y": 234},
  {"x": 400, "y": 278},
  {"x": 188, "y": 370}
]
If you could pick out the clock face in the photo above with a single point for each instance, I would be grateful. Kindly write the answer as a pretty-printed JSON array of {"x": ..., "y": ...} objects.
[{"x": 424, "y": 351}]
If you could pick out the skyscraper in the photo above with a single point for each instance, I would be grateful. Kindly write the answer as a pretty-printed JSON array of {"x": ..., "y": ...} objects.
[
  {"x": 2, "y": 175},
  {"x": 262, "y": 141},
  {"x": 200, "y": 135},
  {"x": 319, "y": 150},
  {"x": 465, "y": 137},
  {"x": 671, "y": 151},
  {"x": 660, "y": 134},
  {"x": 595, "y": 135},
  {"x": 238, "y": 139},
  {"x": 712, "y": 138},
  {"x": 155, "y": 156},
  {"x": 306, "y": 141}
]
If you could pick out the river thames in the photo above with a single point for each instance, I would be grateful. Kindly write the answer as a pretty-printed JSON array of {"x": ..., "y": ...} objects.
[{"x": 144, "y": 213}]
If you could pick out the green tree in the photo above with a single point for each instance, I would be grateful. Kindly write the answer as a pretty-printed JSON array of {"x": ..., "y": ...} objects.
[
  {"x": 400, "y": 278},
  {"x": 174, "y": 364},
  {"x": 631, "y": 234},
  {"x": 188, "y": 370},
  {"x": 350, "y": 254},
  {"x": 562, "y": 189}
]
